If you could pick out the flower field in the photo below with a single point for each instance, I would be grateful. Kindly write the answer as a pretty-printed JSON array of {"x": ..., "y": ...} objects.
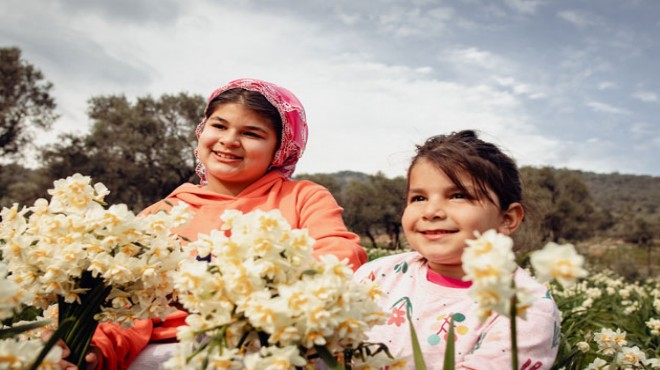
[
  {"x": 257, "y": 297},
  {"x": 607, "y": 322}
]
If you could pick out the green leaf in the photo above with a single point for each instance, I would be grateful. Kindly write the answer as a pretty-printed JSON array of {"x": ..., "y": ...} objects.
[
  {"x": 417, "y": 350},
  {"x": 328, "y": 358},
  {"x": 62, "y": 329},
  {"x": 450, "y": 355},
  {"x": 14, "y": 331}
]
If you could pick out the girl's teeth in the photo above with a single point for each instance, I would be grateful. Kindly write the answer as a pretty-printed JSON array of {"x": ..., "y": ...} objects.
[{"x": 227, "y": 156}]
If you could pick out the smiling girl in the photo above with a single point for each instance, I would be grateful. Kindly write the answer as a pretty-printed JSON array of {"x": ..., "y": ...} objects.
[
  {"x": 252, "y": 135},
  {"x": 458, "y": 185}
]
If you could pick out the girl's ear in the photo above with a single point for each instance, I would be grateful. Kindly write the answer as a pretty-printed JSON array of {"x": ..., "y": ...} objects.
[{"x": 511, "y": 219}]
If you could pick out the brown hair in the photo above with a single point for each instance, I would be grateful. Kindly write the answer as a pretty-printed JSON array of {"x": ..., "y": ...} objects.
[
  {"x": 463, "y": 153},
  {"x": 252, "y": 100}
]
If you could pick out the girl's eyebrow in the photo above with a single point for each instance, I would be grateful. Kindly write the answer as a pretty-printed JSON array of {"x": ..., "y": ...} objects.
[
  {"x": 248, "y": 127},
  {"x": 256, "y": 128},
  {"x": 217, "y": 118},
  {"x": 415, "y": 190}
]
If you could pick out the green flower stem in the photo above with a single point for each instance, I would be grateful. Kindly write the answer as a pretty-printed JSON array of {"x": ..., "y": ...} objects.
[
  {"x": 13, "y": 331},
  {"x": 514, "y": 336},
  {"x": 418, "y": 356},
  {"x": 328, "y": 358},
  {"x": 62, "y": 327},
  {"x": 450, "y": 351},
  {"x": 79, "y": 335}
]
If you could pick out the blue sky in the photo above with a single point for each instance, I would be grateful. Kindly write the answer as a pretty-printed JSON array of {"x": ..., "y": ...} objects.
[{"x": 569, "y": 84}]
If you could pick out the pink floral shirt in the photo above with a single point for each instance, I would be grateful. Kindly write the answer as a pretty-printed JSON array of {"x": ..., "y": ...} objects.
[{"x": 433, "y": 300}]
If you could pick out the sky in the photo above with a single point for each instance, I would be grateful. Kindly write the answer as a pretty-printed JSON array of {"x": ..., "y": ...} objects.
[{"x": 563, "y": 83}]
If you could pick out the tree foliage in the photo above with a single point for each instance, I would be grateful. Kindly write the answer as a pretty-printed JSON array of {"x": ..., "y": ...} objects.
[
  {"x": 559, "y": 207},
  {"x": 25, "y": 102},
  {"x": 372, "y": 204},
  {"x": 141, "y": 151},
  {"x": 20, "y": 185}
]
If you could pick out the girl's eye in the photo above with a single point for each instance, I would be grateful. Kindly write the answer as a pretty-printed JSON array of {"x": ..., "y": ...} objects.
[
  {"x": 416, "y": 198},
  {"x": 251, "y": 134},
  {"x": 219, "y": 126},
  {"x": 459, "y": 196}
]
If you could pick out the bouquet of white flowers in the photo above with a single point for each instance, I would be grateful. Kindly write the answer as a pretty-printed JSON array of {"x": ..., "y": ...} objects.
[
  {"x": 15, "y": 352},
  {"x": 262, "y": 301},
  {"x": 98, "y": 263}
]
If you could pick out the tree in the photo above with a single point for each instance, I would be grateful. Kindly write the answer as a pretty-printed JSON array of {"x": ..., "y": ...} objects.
[
  {"x": 642, "y": 233},
  {"x": 538, "y": 192},
  {"x": 392, "y": 201},
  {"x": 140, "y": 151},
  {"x": 361, "y": 211},
  {"x": 25, "y": 102},
  {"x": 374, "y": 206},
  {"x": 573, "y": 208},
  {"x": 20, "y": 185}
]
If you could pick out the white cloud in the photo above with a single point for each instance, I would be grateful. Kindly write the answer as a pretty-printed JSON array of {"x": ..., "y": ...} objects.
[
  {"x": 519, "y": 88},
  {"x": 473, "y": 56},
  {"x": 607, "y": 85},
  {"x": 606, "y": 108},
  {"x": 578, "y": 18},
  {"x": 647, "y": 134},
  {"x": 406, "y": 21},
  {"x": 524, "y": 6},
  {"x": 646, "y": 96}
]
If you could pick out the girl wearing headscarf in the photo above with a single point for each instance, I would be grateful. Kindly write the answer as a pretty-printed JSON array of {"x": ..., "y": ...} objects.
[{"x": 252, "y": 135}]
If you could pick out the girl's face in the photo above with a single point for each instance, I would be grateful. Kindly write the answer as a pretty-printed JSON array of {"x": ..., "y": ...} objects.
[
  {"x": 236, "y": 147},
  {"x": 439, "y": 217}
]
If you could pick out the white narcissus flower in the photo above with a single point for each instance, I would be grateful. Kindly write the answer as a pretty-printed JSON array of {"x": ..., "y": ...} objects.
[
  {"x": 631, "y": 307},
  {"x": 652, "y": 363},
  {"x": 21, "y": 354},
  {"x": 560, "y": 262},
  {"x": 587, "y": 303},
  {"x": 489, "y": 262},
  {"x": 524, "y": 300},
  {"x": 13, "y": 222},
  {"x": 11, "y": 296},
  {"x": 654, "y": 325},
  {"x": 583, "y": 347},
  {"x": 630, "y": 356},
  {"x": 594, "y": 292},
  {"x": 597, "y": 364},
  {"x": 610, "y": 341},
  {"x": 492, "y": 298},
  {"x": 489, "y": 258}
]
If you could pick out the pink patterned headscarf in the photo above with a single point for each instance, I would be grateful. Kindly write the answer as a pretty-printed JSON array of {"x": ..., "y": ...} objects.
[{"x": 294, "y": 123}]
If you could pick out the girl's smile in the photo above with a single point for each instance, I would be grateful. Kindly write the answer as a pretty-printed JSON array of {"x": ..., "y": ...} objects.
[
  {"x": 436, "y": 234},
  {"x": 226, "y": 157}
]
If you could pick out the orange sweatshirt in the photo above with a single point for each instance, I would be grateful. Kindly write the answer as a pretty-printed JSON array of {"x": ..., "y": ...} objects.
[{"x": 304, "y": 204}]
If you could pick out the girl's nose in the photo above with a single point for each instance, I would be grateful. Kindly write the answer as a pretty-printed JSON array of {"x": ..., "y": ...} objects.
[
  {"x": 229, "y": 139},
  {"x": 434, "y": 211}
]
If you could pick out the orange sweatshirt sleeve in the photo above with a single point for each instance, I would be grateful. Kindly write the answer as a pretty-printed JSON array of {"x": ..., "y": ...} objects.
[
  {"x": 120, "y": 346},
  {"x": 321, "y": 216}
]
